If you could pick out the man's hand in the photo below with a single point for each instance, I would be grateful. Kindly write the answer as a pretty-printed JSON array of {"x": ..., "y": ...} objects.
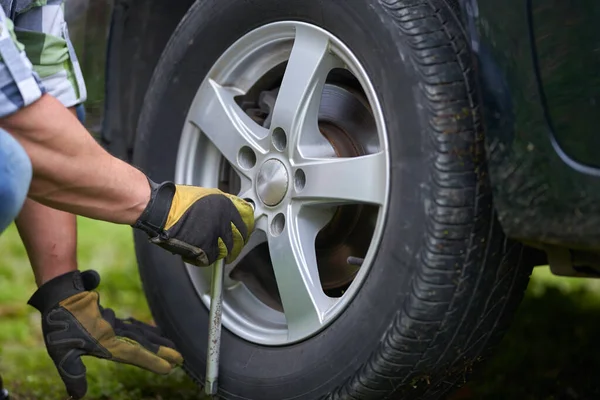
[
  {"x": 74, "y": 325},
  {"x": 201, "y": 225}
]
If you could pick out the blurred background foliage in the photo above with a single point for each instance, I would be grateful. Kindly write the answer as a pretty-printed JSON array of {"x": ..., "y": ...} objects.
[{"x": 550, "y": 352}]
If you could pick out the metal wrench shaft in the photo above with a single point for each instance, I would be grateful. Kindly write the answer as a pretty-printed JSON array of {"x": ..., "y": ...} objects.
[{"x": 214, "y": 327}]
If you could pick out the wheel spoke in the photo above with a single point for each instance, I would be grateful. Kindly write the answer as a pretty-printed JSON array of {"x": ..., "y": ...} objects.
[
  {"x": 257, "y": 238},
  {"x": 297, "y": 105},
  {"x": 295, "y": 265},
  {"x": 344, "y": 180},
  {"x": 225, "y": 124}
]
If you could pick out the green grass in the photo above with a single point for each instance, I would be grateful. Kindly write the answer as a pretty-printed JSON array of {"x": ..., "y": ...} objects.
[{"x": 550, "y": 352}]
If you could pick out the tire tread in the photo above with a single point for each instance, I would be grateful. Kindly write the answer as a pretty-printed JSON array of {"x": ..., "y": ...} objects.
[{"x": 471, "y": 278}]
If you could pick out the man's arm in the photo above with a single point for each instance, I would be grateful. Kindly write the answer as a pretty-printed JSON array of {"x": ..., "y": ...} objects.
[
  {"x": 50, "y": 238},
  {"x": 72, "y": 172}
]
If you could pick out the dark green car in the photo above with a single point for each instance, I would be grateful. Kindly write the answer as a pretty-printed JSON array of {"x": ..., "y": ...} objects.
[{"x": 411, "y": 161}]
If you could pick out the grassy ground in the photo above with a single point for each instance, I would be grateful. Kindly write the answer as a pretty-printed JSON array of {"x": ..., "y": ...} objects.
[{"x": 549, "y": 353}]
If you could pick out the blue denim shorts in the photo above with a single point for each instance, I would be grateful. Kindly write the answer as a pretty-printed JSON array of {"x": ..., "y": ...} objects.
[{"x": 15, "y": 178}]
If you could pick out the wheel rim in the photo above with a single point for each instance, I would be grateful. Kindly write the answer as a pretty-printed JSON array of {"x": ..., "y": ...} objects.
[{"x": 288, "y": 118}]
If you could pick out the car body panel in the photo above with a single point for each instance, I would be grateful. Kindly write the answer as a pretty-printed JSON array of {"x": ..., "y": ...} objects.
[
  {"x": 540, "y": 194},
  {"x": 567, "y": 49}
]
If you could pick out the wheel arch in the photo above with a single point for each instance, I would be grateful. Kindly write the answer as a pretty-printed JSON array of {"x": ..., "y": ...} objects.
[{"x": 139, "y": 31}]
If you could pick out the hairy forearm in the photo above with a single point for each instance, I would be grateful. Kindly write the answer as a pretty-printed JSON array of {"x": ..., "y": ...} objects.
[{"x": 71, "y": 172}]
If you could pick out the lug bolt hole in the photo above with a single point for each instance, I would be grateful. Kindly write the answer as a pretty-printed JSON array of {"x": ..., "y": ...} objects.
[
  {"x": 299, "y": 180},
  {"x": 279, "y": 139},
  {"x": 277, "y": 224},
  {"x": 246, "y": 158}
]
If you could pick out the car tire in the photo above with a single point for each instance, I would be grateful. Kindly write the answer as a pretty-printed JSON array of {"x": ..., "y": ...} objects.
[{"x": 445, "y": 282}]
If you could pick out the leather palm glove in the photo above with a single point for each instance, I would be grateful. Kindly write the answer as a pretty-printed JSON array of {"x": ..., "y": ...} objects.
[
  {"x": 199, "y": 224},
  {"x": 74, "y": 325}
]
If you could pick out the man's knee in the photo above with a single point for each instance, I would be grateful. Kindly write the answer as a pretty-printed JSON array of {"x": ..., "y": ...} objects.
[{"x": 15, "y": 178}]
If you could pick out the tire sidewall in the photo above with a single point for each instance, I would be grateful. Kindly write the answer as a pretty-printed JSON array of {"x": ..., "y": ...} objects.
[{"x": 313, "y": 368}]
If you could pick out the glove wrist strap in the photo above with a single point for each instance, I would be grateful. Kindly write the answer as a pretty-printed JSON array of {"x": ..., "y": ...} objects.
[
  {"x": 154, "y": 217},
  {"x": 56, "y": 290}
]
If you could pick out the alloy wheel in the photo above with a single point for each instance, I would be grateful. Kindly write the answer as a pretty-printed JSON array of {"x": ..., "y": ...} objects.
[{"x": 288, "y": 119}]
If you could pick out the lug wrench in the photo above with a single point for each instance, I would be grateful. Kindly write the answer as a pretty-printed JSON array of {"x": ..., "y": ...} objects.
[
  {"x": 214, "y": 329},
  {"x": 214, "y": 326}
]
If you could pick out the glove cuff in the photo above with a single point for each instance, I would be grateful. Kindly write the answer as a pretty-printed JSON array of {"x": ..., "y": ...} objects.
[
  {"x": 155, "y": 215},
  {"x": 51, "y": 293}
]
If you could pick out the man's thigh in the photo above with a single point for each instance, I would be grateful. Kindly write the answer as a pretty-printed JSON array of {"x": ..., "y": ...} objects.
[{"x": 15, "y": 178}]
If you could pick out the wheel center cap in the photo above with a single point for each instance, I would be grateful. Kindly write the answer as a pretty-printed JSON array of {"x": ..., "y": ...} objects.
[{"x": 272, "y": 182}]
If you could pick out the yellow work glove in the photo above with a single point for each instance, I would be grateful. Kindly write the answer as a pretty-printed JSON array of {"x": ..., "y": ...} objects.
[
  {"x": 199, "y": 224},
  {"x": 74, "y": 324}
]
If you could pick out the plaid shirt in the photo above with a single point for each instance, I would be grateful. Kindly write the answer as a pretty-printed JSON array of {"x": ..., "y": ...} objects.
[{"x": 36, "y": 55}]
